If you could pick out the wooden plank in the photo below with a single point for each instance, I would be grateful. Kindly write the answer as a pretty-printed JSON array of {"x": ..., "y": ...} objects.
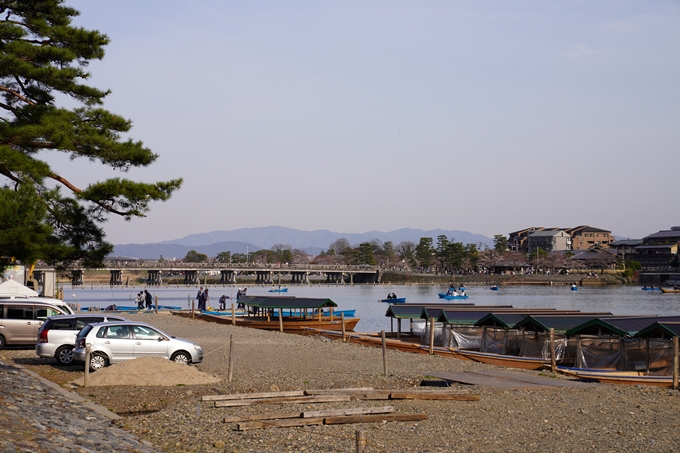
[
  {"x": 533, "y": 379},
  {"x": 336, "y": 391},
  {"x": 489, "y": 381},
  {"x": 433, "y": 390},
  {"x": 374, "y": 418},
  {"x": 290, "y": 400},
  {"x": 371, "y": 395},
  {"x": 250, "y": 418},
  {"x": 279, "y": 423},
  {"x": 354, "y": 411},
  {"x": 432, "y": 396},
  {"x": 243, "y": 396}
]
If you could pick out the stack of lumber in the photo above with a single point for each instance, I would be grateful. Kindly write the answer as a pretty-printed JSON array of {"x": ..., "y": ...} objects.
[{"x": 334, "y": 416}]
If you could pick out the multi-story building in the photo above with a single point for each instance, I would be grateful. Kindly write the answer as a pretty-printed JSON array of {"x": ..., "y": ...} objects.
[
  {"x": 658, "y": 249},
  {"x": 549, "y": 241},
  {"x": 517, "y": 241},
  {"x": 584, "y": 237}
]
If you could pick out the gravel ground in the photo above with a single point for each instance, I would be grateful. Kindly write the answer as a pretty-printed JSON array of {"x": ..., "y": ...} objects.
[{"x": 601, "y": 418}]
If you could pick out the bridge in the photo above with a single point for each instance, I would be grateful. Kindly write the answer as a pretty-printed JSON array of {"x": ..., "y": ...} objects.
[{"x": 265, "y": 273}]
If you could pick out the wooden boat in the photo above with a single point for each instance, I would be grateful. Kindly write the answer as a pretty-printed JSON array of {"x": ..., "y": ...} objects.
[
  {"x": 669, "y": 291},
  {"x": 511, "y": 361},
  {"x": 452, "y": 297},
  {"x": 398, "y": 300},
  {"x": 291, "y": 324},
  {"x": 618, "y": 377}
]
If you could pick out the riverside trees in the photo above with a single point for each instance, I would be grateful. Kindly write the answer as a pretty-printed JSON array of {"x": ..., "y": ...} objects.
[{"x": 45, "y": 215}]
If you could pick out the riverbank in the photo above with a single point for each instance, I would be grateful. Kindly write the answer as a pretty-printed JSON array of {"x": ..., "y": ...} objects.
[{"x": 595, "y": 419}]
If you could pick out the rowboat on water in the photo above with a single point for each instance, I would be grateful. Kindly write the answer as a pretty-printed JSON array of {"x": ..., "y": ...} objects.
[
  {"x": 278, "y": 290},
  {"x": 303, "y": 313},
  {"x": 494, "y": 288},
  {"x": 651, "y": 288},
  {"x": 452, "y": 297},
  {"x": 669, "y": 290},
  {"x": 618, "y": 377},
  {"x": 398, "y": 300}
]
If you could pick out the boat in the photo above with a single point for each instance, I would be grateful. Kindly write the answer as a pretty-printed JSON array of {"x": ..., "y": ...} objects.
[
  {"x": 494, "y": 288},
  {"x": 618, "y": 377},
  {"x": 651, "y": 288},
  {"x": 574, "y": 288},
  {"x": 669, "y": 291},
  {"x": 303, "y": 313},
  {"x": 525, "y": 363},
  {"x": 398, "y": 300},
  {"x": 278, "y": 290},
  {"x": 452, "y": 297}
]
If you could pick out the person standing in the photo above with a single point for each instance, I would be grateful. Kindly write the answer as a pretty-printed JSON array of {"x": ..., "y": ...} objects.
[
  {"x": 205, "y": 299},
  {"x": 148, "y": 299},
  {"x": 199, "y": 297}
]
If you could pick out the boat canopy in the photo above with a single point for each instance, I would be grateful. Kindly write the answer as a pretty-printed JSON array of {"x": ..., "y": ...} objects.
[
  {"x": 468, "y": 318},
  {"x": 559, "y": 323},
  {"x": 404, "y": 311},
  {"x": 276, "y": 302},
  {"x": 625, "y": 326},
  {"x": 660, "y": 330},
  {"x": 505, "y": 320}
]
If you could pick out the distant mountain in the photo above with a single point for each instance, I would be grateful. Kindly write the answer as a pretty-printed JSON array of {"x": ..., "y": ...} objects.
[{"x": 253, "y": 239}]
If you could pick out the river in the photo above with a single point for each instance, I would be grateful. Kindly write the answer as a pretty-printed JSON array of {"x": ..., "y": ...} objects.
[{"x": 619, "y": 300}]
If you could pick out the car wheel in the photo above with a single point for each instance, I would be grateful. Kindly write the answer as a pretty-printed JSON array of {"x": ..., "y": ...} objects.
[
  {"x": 181, "y": 357},
  {"x": 2, "y": 342},
  {"x": 64, "y": 355},
  {"x": 98, "y": 361}
]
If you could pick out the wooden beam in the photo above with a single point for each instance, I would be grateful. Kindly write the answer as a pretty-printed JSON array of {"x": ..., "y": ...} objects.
[
  {"x": 242, "y": 396},
  {"x": 432, "y": 396},
  {"x": 279, "y": 423},
  {"x": 337, "y": 391},
  {"x": 374, "y": 418},
  {"x": 289, "y": 400},
  {"x": 346, "y": 412},
  {"x": 250, "y": 418}
]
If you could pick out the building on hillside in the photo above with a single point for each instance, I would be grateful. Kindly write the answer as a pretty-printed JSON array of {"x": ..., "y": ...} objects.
[
  {"x": 597, "y": 257},
  {"x": 584, "y": 237},
  {"x": 549, "y": 241},
  {"x": 625, "y": 247}
]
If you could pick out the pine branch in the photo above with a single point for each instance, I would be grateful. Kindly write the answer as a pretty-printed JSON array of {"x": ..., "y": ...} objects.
[
  {"x": 108, "y": 208},
  {"x": 10, "y": 91}
]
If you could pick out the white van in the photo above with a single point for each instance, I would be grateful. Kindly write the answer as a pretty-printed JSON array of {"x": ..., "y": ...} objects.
[{"x": 21, "y": 317}]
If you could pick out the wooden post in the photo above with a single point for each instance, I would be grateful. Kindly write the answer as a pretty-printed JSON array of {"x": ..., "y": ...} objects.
[
  {"x": 331, "y": 314},
  {"x": 193, "y": 303},
  {"x": 342, "y": 321},
  {"x": 280, "y": 320},
  {"x": 233, "y": 314},
  {"x": 648, "y": 363},
  {"x": 384, "y": 351},
  {"x": 431, "y": 336},
  {"x": 87, "y": 365},
  {"x": 231, "y": 355},
  {"x": 579, "y": 352},
  {"x": 399, "y": 329},
  {"x": 553, "y": 361},
  {"x": 156, "y": 300},
  {"x": 361, "y": 441},
  {"x": 676, "y": 359}
]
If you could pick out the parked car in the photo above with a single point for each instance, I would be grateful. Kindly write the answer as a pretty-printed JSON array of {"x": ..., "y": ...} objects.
[
  {"x": 57, "y": 335},
  {"x": 113, "y": 342},
  {"x": 20, "y": 318}
]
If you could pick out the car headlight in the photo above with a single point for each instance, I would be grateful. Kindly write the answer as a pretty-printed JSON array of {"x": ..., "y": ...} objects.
[{"x": 198, "y": 346}]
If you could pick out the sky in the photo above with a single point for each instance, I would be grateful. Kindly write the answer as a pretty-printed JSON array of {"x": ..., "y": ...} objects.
[{"x": 356, "y": 116}]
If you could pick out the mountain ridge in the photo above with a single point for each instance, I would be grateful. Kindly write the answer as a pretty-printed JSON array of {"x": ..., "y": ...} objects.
[{"x": 257, "y": 238}]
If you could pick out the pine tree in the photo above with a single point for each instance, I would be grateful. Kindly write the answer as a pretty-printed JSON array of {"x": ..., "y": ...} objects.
[{"x": 44, "y": 215}]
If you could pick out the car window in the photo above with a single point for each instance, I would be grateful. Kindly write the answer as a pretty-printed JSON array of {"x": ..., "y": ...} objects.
[
  {"x": 59, "y": 324},
  {"x": 45, "y": 312},
  {"x": 146, "y": 333},
  {"x": 14, "y": 312},
  {"x": 82, "y": 322},
  {"x": 2, "y": 311},
  {"x": 117, "y": 332}
]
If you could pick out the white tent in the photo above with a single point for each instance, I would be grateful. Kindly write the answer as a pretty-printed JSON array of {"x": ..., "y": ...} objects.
[{"x": 13, "y": 288}]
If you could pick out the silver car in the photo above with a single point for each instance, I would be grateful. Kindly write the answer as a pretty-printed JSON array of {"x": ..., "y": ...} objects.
[
  {"x": 58, "y": 334},
  {"x": 113, "y": 342}
]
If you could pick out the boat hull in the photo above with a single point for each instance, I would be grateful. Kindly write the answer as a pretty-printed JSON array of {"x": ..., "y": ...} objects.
[
  {"x": 398, "y": 300},
  {"x": 524, "y": 363},
  {"x": 619, "y": 377},
  {"x": 669, "y": 291},
  {"x": 450, "y": 297},
  {"x": 290, "y": 324}
]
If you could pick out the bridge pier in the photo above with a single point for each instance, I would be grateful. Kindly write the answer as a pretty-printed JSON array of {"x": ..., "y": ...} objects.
[
  {"x": 116, "y": 277},
  {"x": 334, "y": 277},
  {"x": 191, "y": 277},
  {"x": 77, "y": 277},
  {"x": 227, "y": 277},
  {"x": 154, "y": 278},
  {"x": 263, "y": 277},
  {"x": 299, "y": 277}
]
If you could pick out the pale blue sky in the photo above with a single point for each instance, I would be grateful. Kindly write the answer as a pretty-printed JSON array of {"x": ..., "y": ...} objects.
[{"x": 377, "y": 115}]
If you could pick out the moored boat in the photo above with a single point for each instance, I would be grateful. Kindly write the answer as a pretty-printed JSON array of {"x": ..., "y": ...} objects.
[
  {"x": 618, "y": 377},
  {"x": 525, "y": 363}
]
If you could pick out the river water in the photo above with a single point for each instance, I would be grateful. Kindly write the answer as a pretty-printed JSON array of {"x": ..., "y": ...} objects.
[{"x": 619, "y": 300}]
